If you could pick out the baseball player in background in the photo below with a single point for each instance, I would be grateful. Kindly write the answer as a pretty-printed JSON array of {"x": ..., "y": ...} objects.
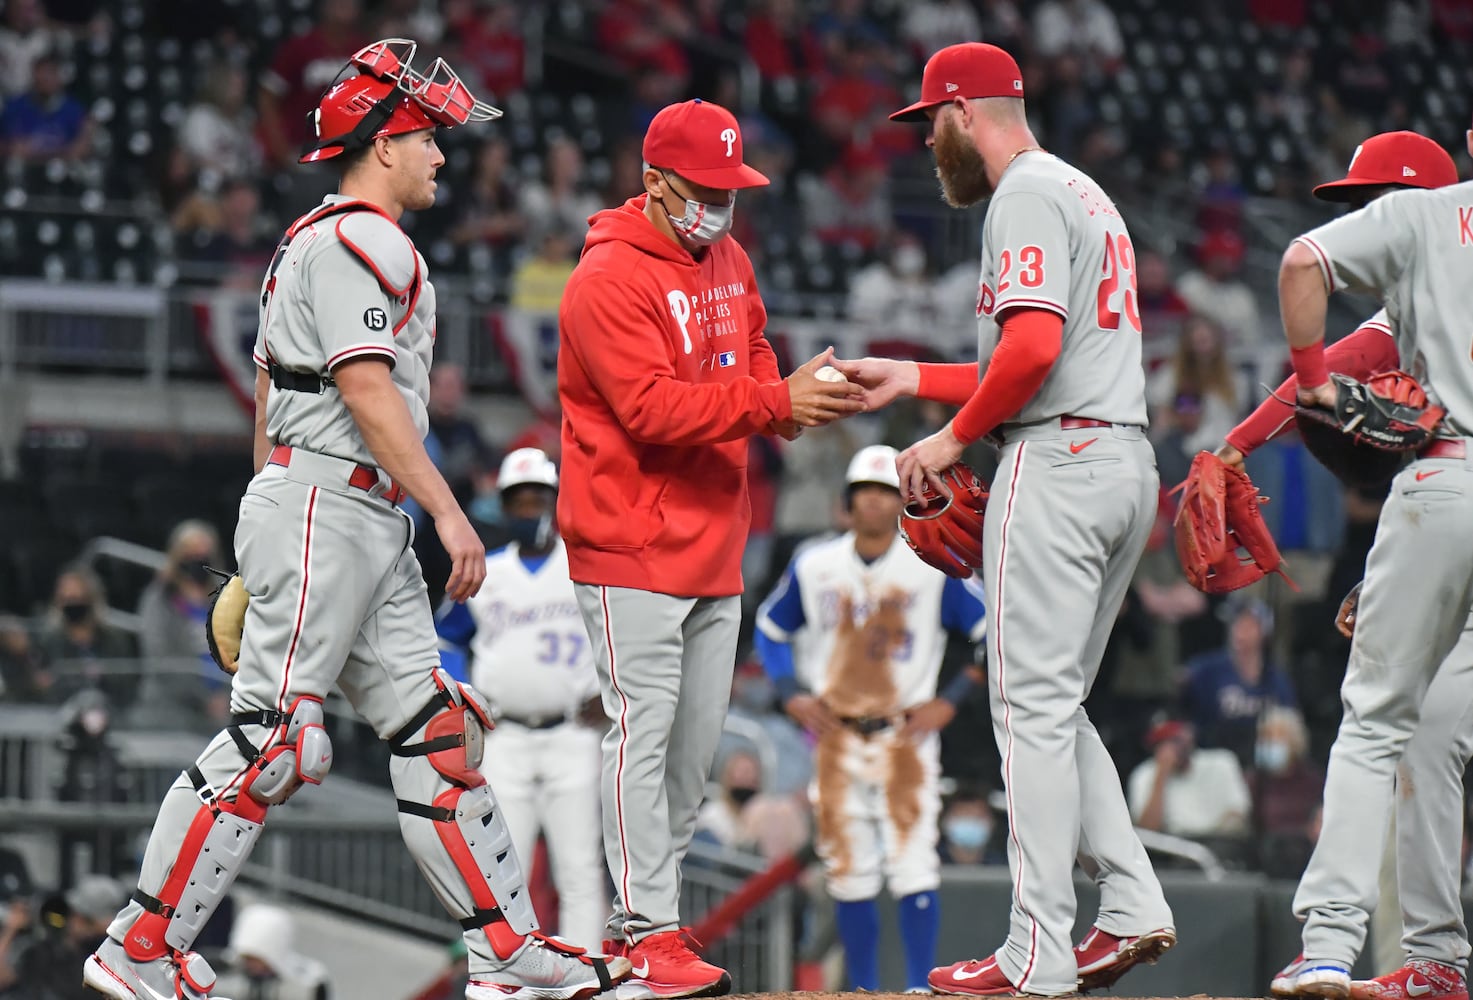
[
  {"x": 663, "y": 373},
  {"x": 1406, "y": 688},
  {"x": 1073, "y": 501},
  {"x": 869, "y": 620},
  {"x": 531, "y": 660},
  {"x": 343, "y": 349}
]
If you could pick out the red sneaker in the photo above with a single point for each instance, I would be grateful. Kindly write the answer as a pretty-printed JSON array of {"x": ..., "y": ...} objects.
[
  {"x": 1419, "y": 979},
  {"x": 664, "y": 966},
  {"x": 972, "y": 978},
  {"x": 1104, "y": 958}
]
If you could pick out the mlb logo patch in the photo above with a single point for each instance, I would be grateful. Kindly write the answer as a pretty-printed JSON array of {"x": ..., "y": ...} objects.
[{"x": 726, "y": 359}]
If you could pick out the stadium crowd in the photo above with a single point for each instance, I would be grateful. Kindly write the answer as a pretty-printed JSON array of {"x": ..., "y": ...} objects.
[{"x": 1219, "y": 713}]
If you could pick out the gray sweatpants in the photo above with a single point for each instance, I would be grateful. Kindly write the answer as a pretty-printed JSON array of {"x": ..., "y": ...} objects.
[
  {"x": 664, "y": 665},
  {"x": 1066, "y": 524},
  {"x": 1413, "y": 607}
]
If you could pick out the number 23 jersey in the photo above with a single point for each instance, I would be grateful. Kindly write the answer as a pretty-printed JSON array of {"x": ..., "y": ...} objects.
[{"x": 1054, "y": 240}]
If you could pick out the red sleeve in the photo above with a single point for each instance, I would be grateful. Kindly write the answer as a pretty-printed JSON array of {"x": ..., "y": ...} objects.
[
  {"x": 627, "y": 358},
  {"x": 948, "y": 383},
  {"x": 1028, "y": 346},
  {"x": 1367, "y": 351}
]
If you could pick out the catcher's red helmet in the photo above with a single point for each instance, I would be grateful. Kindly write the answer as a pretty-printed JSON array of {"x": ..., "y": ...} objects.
[{"x": 389, "y": 97}]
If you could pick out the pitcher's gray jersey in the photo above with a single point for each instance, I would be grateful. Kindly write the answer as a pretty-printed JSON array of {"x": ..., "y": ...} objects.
[
  {"x": 1054, "y": 240},
  {"x": 346, "y": 285},
  {"x": 1415, "y": 249}
]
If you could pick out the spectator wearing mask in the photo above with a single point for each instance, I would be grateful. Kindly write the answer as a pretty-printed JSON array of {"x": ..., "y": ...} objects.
[
  {"x": 79, "y": 648},
  {"x": 1286, "y": 787},
  {"x": 1215, "y": 289},
  {"x": 263, "y": 962},
  {"x": 45, "y": 123},
  {"x": 754, "y": 702},
  {"x": 181, "y": 681},
  {"x": 896, "y": 296},
  {"x": 1228, "y": 689},
  {"x": 48, "y": 967},
  {"x": 720, "y": 820},
  {"x": 1187, "y": 791},
  {"x": 970, "y": 834}
]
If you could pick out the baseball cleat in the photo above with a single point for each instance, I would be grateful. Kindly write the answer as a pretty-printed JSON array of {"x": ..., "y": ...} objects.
[
  {"x": 542, "y": 970},
  {"x": 664, "y": 966},
  {"x": 112, "y": 973},
  {"x": 1103, "y": 958},
  {"x": 975, "y": 978},
  {"x": 1312, "y": 977},
  {"x": 1419, "y": 979}
]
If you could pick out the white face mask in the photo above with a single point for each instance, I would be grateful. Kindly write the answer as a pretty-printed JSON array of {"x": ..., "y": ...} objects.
[{"x": 702, "y": 224}]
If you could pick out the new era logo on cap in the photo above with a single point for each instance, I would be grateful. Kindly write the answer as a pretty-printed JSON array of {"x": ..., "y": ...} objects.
[
  {"x": 952, "y": 88},
  {"x": 1408, "y": 172}
]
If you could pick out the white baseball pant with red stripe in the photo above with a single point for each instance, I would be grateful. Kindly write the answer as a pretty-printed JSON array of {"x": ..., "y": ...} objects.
[
  {"x": 337, "y": 596},
  {"x": 1067, "y": 521},
  {"x": 664, "y": 665}
]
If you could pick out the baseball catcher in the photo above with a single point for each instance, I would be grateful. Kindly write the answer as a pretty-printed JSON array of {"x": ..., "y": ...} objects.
[{"x": 1218, "y": 516}]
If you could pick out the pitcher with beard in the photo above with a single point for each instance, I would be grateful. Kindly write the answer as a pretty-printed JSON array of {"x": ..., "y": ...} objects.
[{"x": 1060, "y": 390}]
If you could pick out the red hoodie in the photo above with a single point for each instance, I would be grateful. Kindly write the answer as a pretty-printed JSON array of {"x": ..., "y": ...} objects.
[{"x": 663, "y": 372}]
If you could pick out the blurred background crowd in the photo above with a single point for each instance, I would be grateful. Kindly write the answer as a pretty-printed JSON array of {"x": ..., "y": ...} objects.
[{"x": 149, "y": 148}]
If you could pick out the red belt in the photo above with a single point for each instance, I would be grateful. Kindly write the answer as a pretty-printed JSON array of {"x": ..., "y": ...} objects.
[
  {"x": 364, "y": 477},
  {"x": 1445, "y": 448},
  {"x": 1077, "y": 423}
]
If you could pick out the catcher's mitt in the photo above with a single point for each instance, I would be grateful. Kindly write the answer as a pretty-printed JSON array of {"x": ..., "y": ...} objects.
[
  {"x": 225, "y": 621},
  {"x": 1345, "y": 617},
  {"x": 1364, "y": 440},
  {"x": 1219, "y": 515},
  {"x": 945, "y": 528}
]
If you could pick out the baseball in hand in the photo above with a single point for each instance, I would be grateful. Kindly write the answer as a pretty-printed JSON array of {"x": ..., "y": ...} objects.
[{"x": 828, "y": 373}]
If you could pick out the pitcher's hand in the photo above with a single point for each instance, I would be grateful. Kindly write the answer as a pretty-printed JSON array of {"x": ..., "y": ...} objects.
[{"x": 884, "y": 379}]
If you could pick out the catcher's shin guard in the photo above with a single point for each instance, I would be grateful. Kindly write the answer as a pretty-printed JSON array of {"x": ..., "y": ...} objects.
[
  {"x": 223, "y": 831},
  {"x": 473, "y": 845}
]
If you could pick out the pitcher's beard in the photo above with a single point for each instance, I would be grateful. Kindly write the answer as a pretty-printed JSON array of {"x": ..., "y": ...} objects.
[{"x": 959, "y": 168}]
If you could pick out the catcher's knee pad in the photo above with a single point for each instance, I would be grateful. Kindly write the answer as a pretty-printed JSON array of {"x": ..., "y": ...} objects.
[
  {"x": 467, "y": 820},
  {"x": 222, "y": 833}
]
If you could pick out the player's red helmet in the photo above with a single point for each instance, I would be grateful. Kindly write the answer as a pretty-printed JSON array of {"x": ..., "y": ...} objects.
[{"x": 390, "y": 97}]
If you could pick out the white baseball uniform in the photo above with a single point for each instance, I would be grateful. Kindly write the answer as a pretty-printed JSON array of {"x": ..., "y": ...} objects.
[
  {"x": 531, "y": 659},
  {"x": 868, "y": 638}
]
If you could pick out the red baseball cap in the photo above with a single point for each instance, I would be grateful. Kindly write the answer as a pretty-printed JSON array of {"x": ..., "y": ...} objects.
[
  {"x": 970, "y": 69},
  {"x": 1402, "y": 159},
  {"x": 701, "y": 142}
]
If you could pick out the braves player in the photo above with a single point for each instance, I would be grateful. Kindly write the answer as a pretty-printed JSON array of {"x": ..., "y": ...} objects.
[
  {"x": 1073, "y": 501},
  {"x": 531, "y": 660},
  {"x": 853, "y": 637},
  {"x": 346, "y": 331},
  {"x": 1405, "y": 689},
  {"x": 663, "y": 373}
]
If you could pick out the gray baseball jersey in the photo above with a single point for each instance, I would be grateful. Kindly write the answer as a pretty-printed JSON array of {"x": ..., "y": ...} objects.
[
  {"x": 1415, "y": 249},
  {"x": 1053, "y": 240},
  {"x": 1069, "y": 516},
  {"x": 347, "y": 285}
]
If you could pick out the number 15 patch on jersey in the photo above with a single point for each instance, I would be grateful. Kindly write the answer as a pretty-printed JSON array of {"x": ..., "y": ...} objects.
[{"x": 375, "y": 319}]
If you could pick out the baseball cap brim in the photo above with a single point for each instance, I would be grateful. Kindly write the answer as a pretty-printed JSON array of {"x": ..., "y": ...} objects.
[
  {"x": 725, "y": 178},
  {"x": 916, "y": 112},
  {"x": 1345, "y": 189}
]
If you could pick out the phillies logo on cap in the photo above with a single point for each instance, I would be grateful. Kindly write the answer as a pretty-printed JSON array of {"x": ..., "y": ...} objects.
[{"x": 728, "y": 136}]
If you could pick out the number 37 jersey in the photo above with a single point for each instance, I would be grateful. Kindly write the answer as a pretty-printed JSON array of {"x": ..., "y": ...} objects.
[{"x": 1054, "y": 240}]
